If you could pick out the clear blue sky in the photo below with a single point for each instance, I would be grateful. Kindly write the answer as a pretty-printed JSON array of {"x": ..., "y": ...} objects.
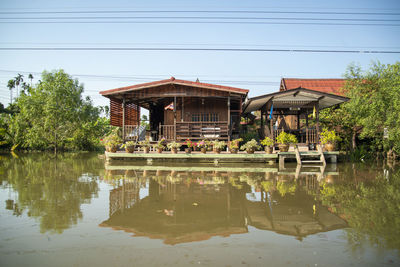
[{"x": 258, "y": 71}]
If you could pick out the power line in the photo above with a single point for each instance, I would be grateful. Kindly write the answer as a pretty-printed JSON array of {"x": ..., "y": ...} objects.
[
  {"x": 201, "y": 18},
  {"x": 195, "y": 49},
  {"x": 201, "y": 22},
  {"x": 201, "y": 11}
]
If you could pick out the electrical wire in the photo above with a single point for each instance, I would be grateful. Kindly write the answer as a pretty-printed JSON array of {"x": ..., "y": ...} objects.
[
  {"x": 201, "y": 11},
  {"x": 196, "y": 49}
]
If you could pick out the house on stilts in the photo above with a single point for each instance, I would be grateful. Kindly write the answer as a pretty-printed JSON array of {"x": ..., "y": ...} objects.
[{"x": 178, "y": 110}]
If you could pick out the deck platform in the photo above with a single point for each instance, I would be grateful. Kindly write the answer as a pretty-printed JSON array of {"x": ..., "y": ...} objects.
[{"x": 259, "y": 156}]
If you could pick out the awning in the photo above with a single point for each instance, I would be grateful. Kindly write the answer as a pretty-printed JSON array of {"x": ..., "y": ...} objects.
[{"x": 299, "y": 97}]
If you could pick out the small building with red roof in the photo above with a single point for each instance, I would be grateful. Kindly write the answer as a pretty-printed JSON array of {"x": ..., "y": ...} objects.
[{"x": 330, "y": 86}]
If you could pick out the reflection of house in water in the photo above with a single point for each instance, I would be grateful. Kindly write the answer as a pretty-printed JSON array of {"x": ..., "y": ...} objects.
[{"x": 187, "y": 207}]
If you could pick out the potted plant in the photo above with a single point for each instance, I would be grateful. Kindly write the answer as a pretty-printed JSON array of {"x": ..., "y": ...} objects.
[
  {"x": 284, "y": 140},
  {"x": 218, "y": 146},
  {"x": 329, "y": 139},
  {"x": 250, "y": 146},
  {"x": 189, "y": 145},
  {"x": 268, "y": 143},
  {"x": 129, "y": 146},
  {"x": 174, "y": 146},
  {"x": 203, "y": 146},
  {"x": 112, "y": 141},
  {"x": 160, "y": 145},
  {"x": 234, "y": 145},
  {"x": 145, "y": 144},
  {"x": 209, "y": 144}
]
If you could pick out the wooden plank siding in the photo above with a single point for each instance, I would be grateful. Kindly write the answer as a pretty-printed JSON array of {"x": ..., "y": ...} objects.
[{"x": 132, "y": 112}]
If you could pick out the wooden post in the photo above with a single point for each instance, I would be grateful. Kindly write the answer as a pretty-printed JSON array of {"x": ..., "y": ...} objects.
[
  {"x": 183, "y": 113},
  {"x": 123, "y": 118},
  {"x": 174, "y": 118},
  {"x": 229, "y": 117},
  {"x": 317, "y": 124},
  {"x": 262, "y": 119}
]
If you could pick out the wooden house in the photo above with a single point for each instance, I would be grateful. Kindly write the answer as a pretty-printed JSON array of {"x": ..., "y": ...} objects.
[{"x": 178, "y": 109}]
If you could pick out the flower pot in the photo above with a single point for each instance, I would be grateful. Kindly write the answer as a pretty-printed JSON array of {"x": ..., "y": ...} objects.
[
  {"x": 174, "y": 150},
  {"x": 130, "y": 149},
  {"x": 188, "y": 150},
  {"x": 113, "y": 148},
  {"x": 234, "y": 150},
  {"x": 250, "y": 151},
  {"x": 283, "y": 147},
  {"x": 217, "y": 150},
  {"x": 268, "y": 149},
  {"x": 159, "y": 150},
  {"x": 330, "y": 147},
  {"x": 146, "y": 150},
  {"x": 203, "y": 150}
]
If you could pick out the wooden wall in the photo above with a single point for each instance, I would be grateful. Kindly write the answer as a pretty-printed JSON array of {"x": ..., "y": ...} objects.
[
  {"x": 196, "y": 106},
  {"x": 132, "y": 113}
]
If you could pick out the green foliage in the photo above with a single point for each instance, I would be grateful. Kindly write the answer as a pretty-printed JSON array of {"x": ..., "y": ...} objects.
[
  {"x": 235, "y": 143},
  {"x": 219, "y": 144},
  {"x": 54, "y": 115},
  {"x": 248, "y": 136},
  {"x": 329, "y": 137},
  {"x": 129, "y": 144},
  {"x": 267, "y": 141},
  {"x": 286, "y": 138},
  {"x": 250, "y": 145},
  {"x": 144, "y": 143},
  {"x": 160, "y": 144},
  {"x": 374, "y": 105},
  {"x": 112, "y": 139},
  {"x": 173, "y": 144}
]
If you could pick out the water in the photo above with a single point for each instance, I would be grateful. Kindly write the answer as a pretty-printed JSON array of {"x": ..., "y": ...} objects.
[{"x": 75, "y": 211}]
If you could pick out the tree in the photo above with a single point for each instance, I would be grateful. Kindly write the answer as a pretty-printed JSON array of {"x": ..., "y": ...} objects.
[
  {"x": 55, "y": 116},
  {"x": 30, "y": 77},
  {"x": 11, "y": 86},
  {"x": 374, "y": 105},
  {"x": 18, "y": 79}
]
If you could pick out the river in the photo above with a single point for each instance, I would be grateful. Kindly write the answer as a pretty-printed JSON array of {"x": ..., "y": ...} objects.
[{"x": 74, "y": 210}]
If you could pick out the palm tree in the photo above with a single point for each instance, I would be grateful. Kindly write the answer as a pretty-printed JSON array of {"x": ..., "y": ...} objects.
[
  {"x": 11, "y": 86},
  {"x": 18, "y": 80},
  {"x": 30, "y": 76}
]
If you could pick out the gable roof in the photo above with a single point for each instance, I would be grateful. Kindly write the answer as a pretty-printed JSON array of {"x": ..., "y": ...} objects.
[
  {"x": 172, "y": 80},
  {"x": 331, "y": 86},
  {"x": 301, "y": 95}
]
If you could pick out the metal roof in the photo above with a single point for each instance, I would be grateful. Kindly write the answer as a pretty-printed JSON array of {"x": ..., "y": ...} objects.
[{"x": 299, "y": 97}]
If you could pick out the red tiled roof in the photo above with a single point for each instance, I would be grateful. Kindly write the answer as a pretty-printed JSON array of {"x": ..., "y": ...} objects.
[
  {"x": 172, "y": 80},
  {"x": 331, "y": 86}
]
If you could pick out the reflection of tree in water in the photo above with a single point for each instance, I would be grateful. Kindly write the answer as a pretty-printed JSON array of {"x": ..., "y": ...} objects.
[
  {"x": 371, "y": 208},
  {"x": 53, "y": 190}
]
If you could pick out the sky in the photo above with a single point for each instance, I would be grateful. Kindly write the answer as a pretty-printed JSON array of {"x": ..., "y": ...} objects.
[{"x": 292, "y": 25}]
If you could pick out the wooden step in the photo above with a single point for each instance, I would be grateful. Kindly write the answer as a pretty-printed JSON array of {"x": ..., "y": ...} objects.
[{"x": 312, "y": 161}]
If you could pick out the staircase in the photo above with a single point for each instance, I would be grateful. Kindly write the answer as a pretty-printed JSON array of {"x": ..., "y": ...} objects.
[
  {"x": 136, "y": 133},
  {"x": 310, "y": 157}
]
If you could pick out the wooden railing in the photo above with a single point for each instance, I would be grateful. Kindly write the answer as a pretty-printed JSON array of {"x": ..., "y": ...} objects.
[
  {"x": 130, "y": 132},
  {"x": 167, "y": 132},
  {"x": 307, "y": 135},
  {"x": 200, "y": 130},
  {"x": 311, "y": 136},
  {"x": 194, "y": 130}
]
